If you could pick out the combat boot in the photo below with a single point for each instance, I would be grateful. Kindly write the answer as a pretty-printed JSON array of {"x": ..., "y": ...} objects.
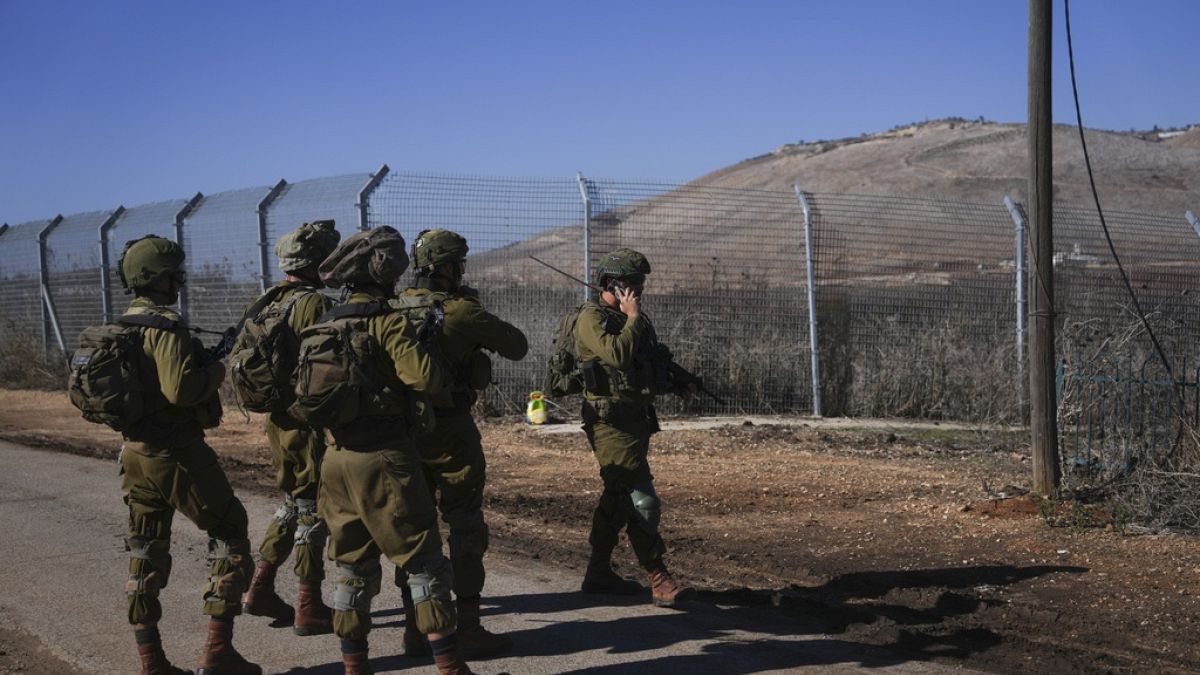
[
  {"x": 313, "y": 617},
  {"x": 357, "y": 663},
  {"x": 451, "y": 663},
  {"x": 602, "y": 580},
  {"x": 664, "y": 590},
  {"x": 154, "y": 661},
  {"x": 414, "y": 641},
  {"x": 261, "y": 599},
  {"x": 220, "y": 658},
  {"x": 475, "y": 641}
]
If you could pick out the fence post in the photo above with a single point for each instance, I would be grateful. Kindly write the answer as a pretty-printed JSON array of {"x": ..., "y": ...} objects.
[
  {"x": 1018, "y": 217},
  {"x": 1191, "y": 218},
  {"x": 585, "y": 193},
  {"x": 264, "y": 259},
  {"x": 106, "y": 301},
  {"x": 179, "y": 220},
  {"x": 364, "y": 196},
  {"x": 813, "y": 343},
  {"x": 49, "y": 314}
]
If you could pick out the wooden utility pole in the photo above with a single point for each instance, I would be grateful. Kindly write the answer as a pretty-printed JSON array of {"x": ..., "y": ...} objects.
[{"x": 1043, "y": 418}]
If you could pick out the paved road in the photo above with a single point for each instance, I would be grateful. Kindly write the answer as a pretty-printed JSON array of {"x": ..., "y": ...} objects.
[{"x": 63, "y": 522}]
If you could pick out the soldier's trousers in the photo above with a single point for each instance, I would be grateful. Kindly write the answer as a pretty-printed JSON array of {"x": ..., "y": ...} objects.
[
  {"x": 181, "y": 475},
  {"x": 376, "y": 503},
  {"x": 620, "y": 440},
  {"x": 452, "y": 455},
  {"x": 296, "y": 452}
]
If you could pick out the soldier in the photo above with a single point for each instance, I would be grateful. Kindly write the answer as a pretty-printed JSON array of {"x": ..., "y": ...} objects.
[
  {"x": 365, "y": 375},
  {"x": 623, "y": 368},
  {"x": 168, "y": 467},
  {"x": 452, "y": 453},
  {"x": 277, "y": 319}
]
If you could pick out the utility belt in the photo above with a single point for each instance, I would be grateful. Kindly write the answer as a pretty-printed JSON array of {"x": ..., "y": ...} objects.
[
  {"x": 371, "y": 434},
  {"x": 154, "y": 431},
  {"x": 625, "y": 416},
  {"x": 643, "y": 377},
  {"x": 462, "y": 402}
]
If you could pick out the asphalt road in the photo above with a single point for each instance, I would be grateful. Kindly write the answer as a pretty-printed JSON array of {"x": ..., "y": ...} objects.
[{"x": 62, "y": 524}]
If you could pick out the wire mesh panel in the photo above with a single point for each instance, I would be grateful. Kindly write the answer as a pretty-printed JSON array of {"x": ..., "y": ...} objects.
[
  {"x": 20, "y": 297},
  {"x": 220, "y": 237},
  {"x": 157, "y": 218},
  {"x": 916, "y": 307},
  {"x": 727, "y": 289},
  {"x": 73, "y": 262},
  {"x": 504, "y": 220},
  {"x": 319, "y": 199}
]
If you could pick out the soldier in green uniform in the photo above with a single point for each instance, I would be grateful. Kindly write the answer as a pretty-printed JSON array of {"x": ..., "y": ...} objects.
[
  {"x": 373, "y": 494},
  {"x": 296, "y": 449},
  {"x": 168, "y": 467},
  {"x": 623, "y": 367},
  {"x": 452, "y": 452}
]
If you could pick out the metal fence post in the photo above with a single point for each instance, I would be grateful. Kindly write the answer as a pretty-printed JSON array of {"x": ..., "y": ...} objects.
[
  {"x": 1191, "y": 218},
  {"x": 264, "y": 259},
  {"x": 49, "y": 314},
  {"x": 1018, "y": 218},
  {"x": 179, "y": 220},
  {"x": 106, "y": 301},
  {"x": 364, "y": 196},
  {"x": 813, "y": 343},
  {"x": 585, "y": 193}
]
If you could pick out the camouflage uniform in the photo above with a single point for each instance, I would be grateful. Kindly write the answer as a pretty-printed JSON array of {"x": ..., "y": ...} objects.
[{"x": 627, "y": 371}]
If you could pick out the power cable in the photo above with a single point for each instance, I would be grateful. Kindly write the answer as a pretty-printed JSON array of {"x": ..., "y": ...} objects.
[{"x": 1096, "y": 196}]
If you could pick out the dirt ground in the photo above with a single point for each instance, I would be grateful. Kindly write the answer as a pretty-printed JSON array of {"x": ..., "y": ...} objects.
[{"x": 891, "y": 537}]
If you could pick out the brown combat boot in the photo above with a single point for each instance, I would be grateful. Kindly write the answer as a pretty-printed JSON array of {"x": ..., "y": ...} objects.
[
  {"x": 663, "y": 589},
  {"x": 451, "y": 663},
  {"x": 600, "y": 579},
  {"x": 357, "y": 663},
  {"x": 475, "y": 641},
  {"x": 261, "y": 599},
  {"x": 313, "y": 617},
  {"x": 154, "y": 661},
  {"x": 415, "y": 643},
  {"x": 220, "y": 658}
]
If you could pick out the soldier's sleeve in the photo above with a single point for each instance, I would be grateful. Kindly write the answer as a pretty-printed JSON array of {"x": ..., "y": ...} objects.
[
  {"x": 184, "y": 380},
  {"x": 307, "y": 310},
  {"x": 614, "y": 350},
  {"x": 416, "y": 366},
  {"x": 468, "y": 320}
]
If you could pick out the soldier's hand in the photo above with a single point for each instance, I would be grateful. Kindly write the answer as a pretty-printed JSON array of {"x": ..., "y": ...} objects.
[
  {"x": 217, "y": 370},
  {"x": 631, "y": 302}
]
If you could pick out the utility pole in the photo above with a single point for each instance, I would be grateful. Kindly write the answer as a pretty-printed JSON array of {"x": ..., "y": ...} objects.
[{"x": 1043, "y": 404}]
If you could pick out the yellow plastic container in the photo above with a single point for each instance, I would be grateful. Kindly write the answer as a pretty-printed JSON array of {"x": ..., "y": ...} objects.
[{"x": 535, "y": 412}]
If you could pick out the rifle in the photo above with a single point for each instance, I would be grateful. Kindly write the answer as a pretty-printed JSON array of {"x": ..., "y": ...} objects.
[
  {"x": 675, "y": 372},
  {"x": 220, "y": 350}
]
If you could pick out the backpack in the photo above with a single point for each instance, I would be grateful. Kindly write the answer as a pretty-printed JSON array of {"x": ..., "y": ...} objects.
[
  {"x": 425, "y": 312},
  {"x": 105, "y": 383},
  {"x": 563, "y": 377},
  {"x": 261, "y": 364}
]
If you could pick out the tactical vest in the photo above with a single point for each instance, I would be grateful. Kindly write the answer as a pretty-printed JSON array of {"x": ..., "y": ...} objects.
[
  {"x": 338, "y": 378},
  {"x": 263, "y": 360},
  {"x": 648, "y": 374}
]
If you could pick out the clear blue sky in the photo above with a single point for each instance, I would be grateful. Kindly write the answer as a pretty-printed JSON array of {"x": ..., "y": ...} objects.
[{"x": 126, "y": 102}]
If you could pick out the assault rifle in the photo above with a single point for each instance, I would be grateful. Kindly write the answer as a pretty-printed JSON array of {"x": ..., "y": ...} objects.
[
  {"x": 220, "y": 350},
  {"x": 679, "y": 376}
]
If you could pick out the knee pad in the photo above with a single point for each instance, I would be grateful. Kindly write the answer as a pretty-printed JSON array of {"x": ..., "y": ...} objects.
[
  {"x": 149, "y": 565},
  {"x": 468, "y": 534},
  {"x": 430, "y": 578},
  {"x": 310, "y": 529},
  {"x": 357, "y": 586},
  {"x": 287, "y": 514},
  {"x": 646, "y": 506},
  {"x": 232, "y": 568}
]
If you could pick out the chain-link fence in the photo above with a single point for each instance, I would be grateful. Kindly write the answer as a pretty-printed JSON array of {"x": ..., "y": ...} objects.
[{"x": 915, "y": 302}]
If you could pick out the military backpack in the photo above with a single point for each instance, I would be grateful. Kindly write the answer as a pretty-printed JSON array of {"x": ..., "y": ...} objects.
[
  {"x": 563, "y": 375},
  {"x": 262, "y": 362},
  {"x": 105, "y": 383}
]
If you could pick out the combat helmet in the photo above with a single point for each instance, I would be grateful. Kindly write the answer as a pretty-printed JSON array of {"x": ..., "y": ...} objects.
[
  {"x": 148, "y": 259},
  {"x": 307, "y": 245},
  {"x": 374, "y": 258},
  {"x": 434, "y": 247},
  {"x": 623, "y": 263}
]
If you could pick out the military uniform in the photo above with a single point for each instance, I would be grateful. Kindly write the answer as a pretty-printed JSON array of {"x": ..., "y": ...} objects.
[
  {"x": 373, "y": 494},
  {"x": 624, "y": 368}
]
